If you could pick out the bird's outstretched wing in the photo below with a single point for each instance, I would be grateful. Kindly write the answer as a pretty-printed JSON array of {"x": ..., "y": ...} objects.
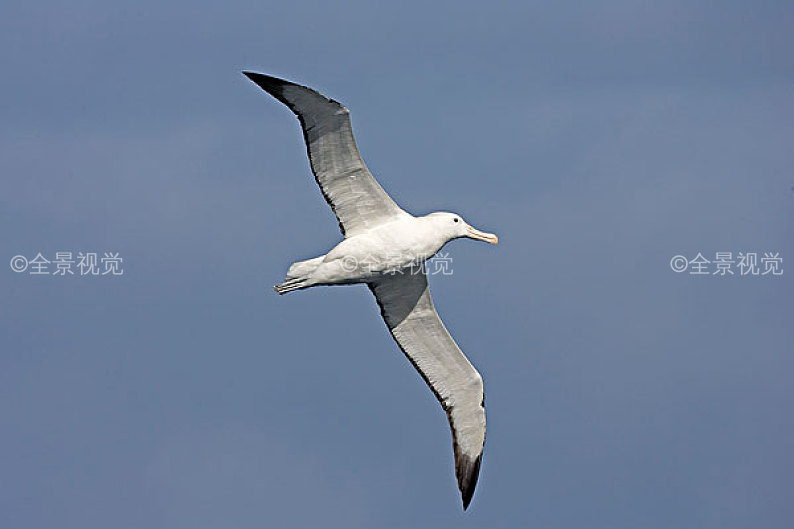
[
  {"x": 409, "y": 313},
  {"x": 354, "y": 195}
]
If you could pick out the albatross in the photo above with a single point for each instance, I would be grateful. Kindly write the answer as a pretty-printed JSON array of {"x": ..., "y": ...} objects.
[{"x": 386, "y": 248}]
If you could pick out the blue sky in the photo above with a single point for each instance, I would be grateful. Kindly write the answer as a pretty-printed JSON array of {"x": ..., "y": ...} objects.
[{"x": 597, "y": 140}]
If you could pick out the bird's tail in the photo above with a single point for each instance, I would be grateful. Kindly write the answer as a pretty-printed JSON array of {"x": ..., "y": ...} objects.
[
  {"x": 304, "y": 268},
  {"x": 298, "y": 275}
]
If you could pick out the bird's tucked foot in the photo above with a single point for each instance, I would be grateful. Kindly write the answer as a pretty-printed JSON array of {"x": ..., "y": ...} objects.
[{"x": 290, "y": 285}]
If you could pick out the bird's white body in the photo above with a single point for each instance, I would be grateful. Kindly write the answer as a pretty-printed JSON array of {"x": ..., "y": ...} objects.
[{"x": 396, "y": 247}]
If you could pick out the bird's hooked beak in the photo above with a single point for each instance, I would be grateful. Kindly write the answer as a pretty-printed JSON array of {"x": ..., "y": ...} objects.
[{"x": 481, "y": 235}]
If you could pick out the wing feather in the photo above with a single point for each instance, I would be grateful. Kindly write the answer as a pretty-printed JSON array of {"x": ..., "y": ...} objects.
[
  {"x": 355, "y": 197},
  {"x": 410, "y": 315}
]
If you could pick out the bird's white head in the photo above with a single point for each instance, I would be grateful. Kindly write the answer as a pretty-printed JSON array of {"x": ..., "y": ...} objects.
[{"x": 453, "y": 226}]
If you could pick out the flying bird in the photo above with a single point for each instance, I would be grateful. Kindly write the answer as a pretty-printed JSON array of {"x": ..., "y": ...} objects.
[{"x": 386, "y": 248}]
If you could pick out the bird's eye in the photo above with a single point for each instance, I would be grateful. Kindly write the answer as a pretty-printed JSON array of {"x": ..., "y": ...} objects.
[{"x": 456, "y": 219}]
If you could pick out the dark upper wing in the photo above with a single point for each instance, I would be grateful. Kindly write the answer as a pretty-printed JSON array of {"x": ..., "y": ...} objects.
[
  {"x": 356, "y": 198},
  {"x": 409, "y": 313}
]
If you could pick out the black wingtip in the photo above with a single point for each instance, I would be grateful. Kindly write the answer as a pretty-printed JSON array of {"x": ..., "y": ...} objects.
[
  {"x": 257, "y": 77},
  {"x": 264, "y": 81},
  {"x": 468, "y": 472},
  {"x": 272, "y": 85}
]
